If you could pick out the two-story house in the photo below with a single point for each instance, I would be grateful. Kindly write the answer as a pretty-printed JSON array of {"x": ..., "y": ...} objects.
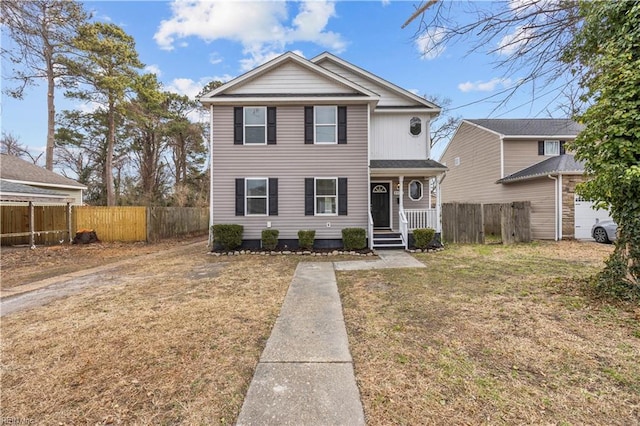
[
  {"x": 322, "y": 145},
  {"x": 505, "y": 160}
]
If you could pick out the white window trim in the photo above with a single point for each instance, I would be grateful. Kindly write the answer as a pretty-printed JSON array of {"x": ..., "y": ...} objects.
[
  {"x": 247, "y": 196},
  {"x": 315, "y": 196},
  {"x": 421, "y": 125},
  {"x": 421, "y": 190},
  {"x": 556, "y": 143},
  {"x": 316, "y": 125},
  {"x": 245, "y": 125}
]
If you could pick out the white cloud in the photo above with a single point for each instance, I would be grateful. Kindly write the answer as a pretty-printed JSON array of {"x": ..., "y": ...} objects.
[
  {"x": 428, "y": 44},
  {"x": 191, "y": 88},
  {"x": 262, "y": 28},
  {"x": 215, "y": 58},
  {"x": 484, "y": 86},
  {"x": 510, "y": 43},
  {"x": 153, "y": 69}
]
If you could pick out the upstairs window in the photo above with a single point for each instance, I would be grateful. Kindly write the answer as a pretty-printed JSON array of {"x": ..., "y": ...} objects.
[
  {"x": 415, "y": 126},
  {"x": 255, "y": 125},
  {"x": 551, "y": 147},
  {"x": 326, "y": 124}
]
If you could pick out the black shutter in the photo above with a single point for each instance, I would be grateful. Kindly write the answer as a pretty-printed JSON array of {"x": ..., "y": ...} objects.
[
  {"x": 540, "y": 147},
  {"x": 342, "y": 196},
  {"x": 271, "y": 125},
  {"x": 562, "y": 150},
  {"x": 273, "y": 196},
  {"x": 342, "y": 124},
  {"x": 239, "y": 197},
  {"x": 309, "y": 193},
  {"x": 308, "y": 124},
  {"x": 238, "y": 138}
]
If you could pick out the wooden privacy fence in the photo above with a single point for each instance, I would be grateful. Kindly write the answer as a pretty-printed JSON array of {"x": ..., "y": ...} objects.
[
  {"x": 165, "y": 222},
  {"x": 119, "y": 223},
  {"x": 49, "y": 223},
  {"x": 469, "y": 223},
  {"x": 112, "y": 223}
]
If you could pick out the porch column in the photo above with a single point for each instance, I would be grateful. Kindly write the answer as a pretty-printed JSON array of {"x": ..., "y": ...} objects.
[
  {"x": 401, "y": 182},
  {"x": 32, "y": 237},
  {"x": 438, "y": 207}
]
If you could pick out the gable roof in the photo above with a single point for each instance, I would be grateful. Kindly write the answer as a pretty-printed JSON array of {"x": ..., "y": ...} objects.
[
  {"x": 530, "y": 127},
  {"x": 289, "y": 57},
  {"x": 16, "y": 169},
  {"x": 366, "y": 75},
  {"x": 560, "y": 164}
]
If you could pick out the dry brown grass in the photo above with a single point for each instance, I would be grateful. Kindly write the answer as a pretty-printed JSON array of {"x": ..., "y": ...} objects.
[
  {"x": 493, "y": 335},
  {"x": 174, "y": 341},
  {"x": 21, "y": 265}
]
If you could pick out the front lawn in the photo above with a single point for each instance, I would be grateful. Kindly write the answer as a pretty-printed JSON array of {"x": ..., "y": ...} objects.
[{"x": 493, "y": 335}]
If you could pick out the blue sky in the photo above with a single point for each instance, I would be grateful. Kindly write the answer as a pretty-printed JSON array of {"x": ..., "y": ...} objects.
[{"x": 189, "y": 43}]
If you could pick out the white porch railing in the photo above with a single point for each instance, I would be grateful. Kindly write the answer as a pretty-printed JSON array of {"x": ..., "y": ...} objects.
[
  {"x": 404, "y": 229},
  {"x": 370, "y": 231},
  {"x": 422, "y": 218}
]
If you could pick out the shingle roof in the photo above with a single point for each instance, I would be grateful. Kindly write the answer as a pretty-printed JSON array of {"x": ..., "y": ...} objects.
[
  {"x": 559, "y": 164},
  {"x": 530, "y": 126},
  {"x": 406, "y": 164},
  {"x": 18, "y": 188},
  {"x": 17, "y": 169}
]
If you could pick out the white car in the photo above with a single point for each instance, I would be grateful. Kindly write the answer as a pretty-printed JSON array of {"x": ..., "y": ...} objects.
[{"x": 604, "y": 232}]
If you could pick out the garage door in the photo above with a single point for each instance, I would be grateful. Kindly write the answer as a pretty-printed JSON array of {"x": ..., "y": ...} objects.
[{"x": 586, "y": 216}]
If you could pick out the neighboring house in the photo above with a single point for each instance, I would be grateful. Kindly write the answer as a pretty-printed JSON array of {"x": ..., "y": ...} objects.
[
  {"x": 320, "y": 144},
  {"x": 16, "y": 170},
  {"x": 505, "y": 160}
]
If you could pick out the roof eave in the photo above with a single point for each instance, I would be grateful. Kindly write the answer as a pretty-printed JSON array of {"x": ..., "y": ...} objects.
[
  {"x": 421, "y": 171},
  {"x": 507, "y": 180}
]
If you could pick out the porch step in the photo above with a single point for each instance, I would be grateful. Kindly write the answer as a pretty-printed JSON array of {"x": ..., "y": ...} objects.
[{"x": 387, "y": 240}]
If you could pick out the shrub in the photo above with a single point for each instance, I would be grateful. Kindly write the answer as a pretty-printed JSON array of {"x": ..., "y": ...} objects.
[
  {"x": 423, "y": 236},
  {"x": 306, "y": 239},
  {"x": 270, "y": 238},
  {"x": 354, "y": 238},
  {"x": 228, "y": 236}
]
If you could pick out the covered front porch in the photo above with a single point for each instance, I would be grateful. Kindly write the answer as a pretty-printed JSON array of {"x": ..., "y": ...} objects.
[{"x": 404, "y": 195}]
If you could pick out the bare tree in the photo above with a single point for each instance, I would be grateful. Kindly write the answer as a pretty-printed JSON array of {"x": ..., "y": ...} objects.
[
  {"x": 528, "y": 39},
  {"x": 10, "y": 145},
  {"x": 41, "y": 31}
]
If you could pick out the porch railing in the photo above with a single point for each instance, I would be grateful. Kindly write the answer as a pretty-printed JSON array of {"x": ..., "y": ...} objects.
[
  {"x": 370, "y": 230},
  {"x": 421, "y": 218},
  {"x": 404, "y": 229}
]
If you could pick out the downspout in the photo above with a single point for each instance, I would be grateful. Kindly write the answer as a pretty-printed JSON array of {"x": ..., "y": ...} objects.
[
  {"x": 560, "y": 207},
  {"x": 555, "y": 201},
  {"x": 369, "y": 218},
  {"x": 211, "y": 176},
  {"x": 501, "y": 156}
]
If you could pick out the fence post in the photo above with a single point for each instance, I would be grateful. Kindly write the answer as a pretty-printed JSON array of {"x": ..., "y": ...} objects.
[{"x": 32, "y": 236}]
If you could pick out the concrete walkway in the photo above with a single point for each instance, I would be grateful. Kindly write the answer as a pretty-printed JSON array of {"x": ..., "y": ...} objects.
[{"x": 305, "y": 374}]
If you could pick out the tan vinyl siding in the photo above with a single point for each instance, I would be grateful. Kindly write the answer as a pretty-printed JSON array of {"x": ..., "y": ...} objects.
[
  {"x": 291, "y": 161},
  {"x": 387, "y": 97},
  {"x": 290, "y": 78},
  {"x": 520, "y": 154},
  {"x": 474, "y": 180}
]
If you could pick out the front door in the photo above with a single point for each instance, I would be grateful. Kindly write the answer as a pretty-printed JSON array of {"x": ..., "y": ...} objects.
[{"x": 380, "y": 205}]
